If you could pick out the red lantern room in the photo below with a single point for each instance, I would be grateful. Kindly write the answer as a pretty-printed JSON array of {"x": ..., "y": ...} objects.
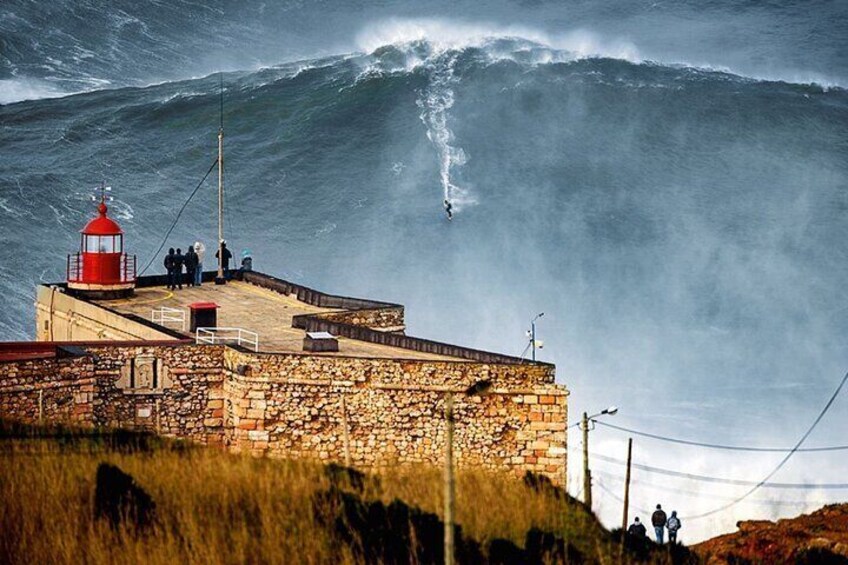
[{"x": 101, "y": 267}]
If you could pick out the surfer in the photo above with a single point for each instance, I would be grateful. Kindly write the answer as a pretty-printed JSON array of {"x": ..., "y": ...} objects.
[{"x": 449, "y": 209}]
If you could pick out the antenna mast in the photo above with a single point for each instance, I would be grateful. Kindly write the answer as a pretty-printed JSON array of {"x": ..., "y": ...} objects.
[{"x": 219, "y": 279}]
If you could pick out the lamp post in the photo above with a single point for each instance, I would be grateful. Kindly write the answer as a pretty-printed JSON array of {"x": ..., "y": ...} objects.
[
  {"x": 533, "y": 333},
  {"x": 587, "y": 474},
  {"x": 480, "y": 388}
]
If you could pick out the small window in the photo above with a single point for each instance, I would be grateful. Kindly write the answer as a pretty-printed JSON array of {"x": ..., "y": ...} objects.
[{"x": 102, "y": 243}]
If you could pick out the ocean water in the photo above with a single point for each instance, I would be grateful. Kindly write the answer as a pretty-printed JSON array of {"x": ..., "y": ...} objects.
[{"x": 667, "y": 182}]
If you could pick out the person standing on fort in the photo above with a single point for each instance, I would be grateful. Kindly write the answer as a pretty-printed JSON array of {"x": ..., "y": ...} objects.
[
  {"x": 200, "y": 249},
  {"x": 673, "y": 525},
  {"x": 169, "y": 267},
  {"x": 179, "y": 261},
  {"x": 191, "y": 263},
  {"x": 659, "y": 519},
  {"x": 225, "y": 259},
  {"x": 246, "y": 261}
]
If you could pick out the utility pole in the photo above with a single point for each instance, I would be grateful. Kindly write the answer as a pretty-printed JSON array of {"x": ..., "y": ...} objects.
[
  {"x": 533, "y": 334},
  {"x": 345, "y": 433},
  {"x": 627, "y": 487},
  {"x": 533, "y": 338},
  {"x": 449, "y": 480},
  {"x": 219, "y": 279},
  {"x": 587, "y": 477}
]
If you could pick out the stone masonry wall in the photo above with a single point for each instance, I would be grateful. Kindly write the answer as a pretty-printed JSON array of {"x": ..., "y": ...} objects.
[
  {"x": 300, "y": 405},
  {"x": 188, "y": 404},
  {"x": 382, "y": 319},
  {"x": 55, "y": 390},
  {"x": 95, "y": 389},
  {"x": 393, "y": 411}
]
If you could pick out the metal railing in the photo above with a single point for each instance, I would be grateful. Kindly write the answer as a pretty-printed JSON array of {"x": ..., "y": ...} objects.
[
  {"x": 128, "y": 267},
  {"x": 240, "y": 336},
  {"x": 74, "y": 270},
  {"x": 77, "y": 273},
  {"x": 164, "y": 316}
]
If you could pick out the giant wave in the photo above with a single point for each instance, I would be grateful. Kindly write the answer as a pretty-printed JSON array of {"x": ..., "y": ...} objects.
[{"x": 683, "y": 228}]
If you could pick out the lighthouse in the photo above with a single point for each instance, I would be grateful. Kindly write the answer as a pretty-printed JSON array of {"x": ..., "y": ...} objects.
[{"x": 101, "y": 269}]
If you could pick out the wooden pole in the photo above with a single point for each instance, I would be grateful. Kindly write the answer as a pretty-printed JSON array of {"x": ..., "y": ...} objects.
[
  {"x": 587, "y": 477},
  {"x": 624, "y": 518},
  {"x": 345, "y": 433},
  {"x": 565, "y": 457},
  {"x": 449, "y": 480},
  {"x": 533, "y": 338},
  {"x": 220, "y": 278}
]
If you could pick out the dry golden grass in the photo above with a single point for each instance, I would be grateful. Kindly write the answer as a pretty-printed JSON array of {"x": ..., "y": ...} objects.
[{"x": 214, "y": 507}]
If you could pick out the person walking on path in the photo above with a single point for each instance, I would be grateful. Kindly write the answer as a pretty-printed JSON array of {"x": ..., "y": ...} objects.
[
  {"x": 179, "y": 261},
  {"x": 191, "y": 265},
  {"x": 659, "y": 519},
  {"x": 200, "y": 249},
  {"x": 637, "y": 529},
  {"x": 169, "y": 267},
  {"x": 673, "y": 525},
  {"x": 225, "y": 259}
]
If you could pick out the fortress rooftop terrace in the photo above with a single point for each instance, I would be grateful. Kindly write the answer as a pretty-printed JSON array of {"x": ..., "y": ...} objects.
[{"x": 281, "y": 313}]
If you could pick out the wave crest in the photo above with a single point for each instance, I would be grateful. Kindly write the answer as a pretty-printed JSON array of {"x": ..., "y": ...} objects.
[{"x": 442, "y": 35}]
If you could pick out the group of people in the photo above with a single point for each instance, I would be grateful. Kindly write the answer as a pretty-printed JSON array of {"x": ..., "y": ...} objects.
[
  {"x": 192, "y": 262},
  {"x": 660, "y": 522}
]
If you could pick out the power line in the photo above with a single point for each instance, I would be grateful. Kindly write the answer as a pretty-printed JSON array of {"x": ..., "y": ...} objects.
[
  {"x": 719, "y": 446},
  {"x": 783, "y": 461},
  {"x": 180, "y": 213},
  {"x": 722, "y": 480},
  {"x": 619, "y": 499},
  {"x": 698, "y": 494}
]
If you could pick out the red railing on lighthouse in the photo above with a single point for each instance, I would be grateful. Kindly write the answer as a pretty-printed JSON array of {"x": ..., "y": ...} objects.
[{"x": 98, "y": 274}]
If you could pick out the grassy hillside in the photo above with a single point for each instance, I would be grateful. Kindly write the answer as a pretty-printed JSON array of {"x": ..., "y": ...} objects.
[{"x": 213, "y": 507}]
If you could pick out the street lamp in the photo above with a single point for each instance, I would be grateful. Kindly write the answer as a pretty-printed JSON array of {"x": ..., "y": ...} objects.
[
  {"x": 480, "y": 388},
  {"x": 587, "y": 474},
  {"x": 611, "y": 411},
  {"x": 533, "y": 333}
]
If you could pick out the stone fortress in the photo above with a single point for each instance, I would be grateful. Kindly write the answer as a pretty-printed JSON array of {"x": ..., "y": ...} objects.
[{"x": 283, "y": 370}]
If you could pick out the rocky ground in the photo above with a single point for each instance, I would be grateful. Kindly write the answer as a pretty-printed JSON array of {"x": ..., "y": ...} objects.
[{"x": 820, "y": 537}]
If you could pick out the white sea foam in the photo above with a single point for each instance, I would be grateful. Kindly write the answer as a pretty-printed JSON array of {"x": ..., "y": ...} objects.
[
  {"x": 435, "y": 102},
  {"x": 443, "y": 35},
  {"x": 326, "y": 228},
  {"x": 18, "y": 90},
  {"x": 4, "y": 205},
  {"x": 122, "y": 210}
]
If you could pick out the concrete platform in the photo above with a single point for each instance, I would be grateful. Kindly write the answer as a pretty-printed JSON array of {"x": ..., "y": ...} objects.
[{"x": 266, "y": 312}]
